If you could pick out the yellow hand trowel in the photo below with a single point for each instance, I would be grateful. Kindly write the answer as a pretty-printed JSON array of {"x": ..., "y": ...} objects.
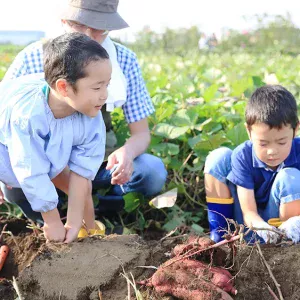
[
  {"x": 99, "y": 230},
  {"x": 275, "y": 222}
]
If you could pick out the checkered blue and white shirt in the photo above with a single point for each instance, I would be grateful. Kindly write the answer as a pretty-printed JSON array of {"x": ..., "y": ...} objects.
[{"x": 138, "y": 103}]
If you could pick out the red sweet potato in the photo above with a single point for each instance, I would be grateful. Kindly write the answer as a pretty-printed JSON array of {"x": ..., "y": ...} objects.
[
  {"x": 191, "y": 279},
  {"x": 193, "y": 242},
  {"x": 207, "y": 291},
  {"x": 187, "y": 269}
]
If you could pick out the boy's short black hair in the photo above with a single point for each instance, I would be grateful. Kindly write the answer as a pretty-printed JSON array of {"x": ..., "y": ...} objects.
[
  {"x": 67, "y": 56},
  {"x": 272, "y": 105}
]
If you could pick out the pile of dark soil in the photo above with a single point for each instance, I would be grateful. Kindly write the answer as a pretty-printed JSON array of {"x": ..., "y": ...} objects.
[{"x": 99, "y": 266}]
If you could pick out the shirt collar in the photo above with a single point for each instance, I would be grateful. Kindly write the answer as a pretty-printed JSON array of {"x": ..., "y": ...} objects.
[
  {"x": 289, "y": 161},
  {"x": 257, "y": 163}
]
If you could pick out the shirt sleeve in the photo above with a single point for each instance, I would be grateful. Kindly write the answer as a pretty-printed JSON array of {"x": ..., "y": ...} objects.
[
  {"x": 28, "y": 61},
  {"x": 30, "y": 163},
  {"x": 241, "y": 168},
  {"x": 138, "y": 105},
  {"x": 17, "y": 68},
  {"x": 86, "y": 158}
]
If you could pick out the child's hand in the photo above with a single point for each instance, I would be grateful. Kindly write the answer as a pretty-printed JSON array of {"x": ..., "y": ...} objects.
[
  {"x": 291, "y": 228},
  {"x": 71, "y": 233},
  {"x": 54, "y": 232},
  {"x": 270, "y": 237},
  {"x": 2, "y": 200}
]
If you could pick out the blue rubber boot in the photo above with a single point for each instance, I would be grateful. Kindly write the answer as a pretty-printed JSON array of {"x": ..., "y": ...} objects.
[{"x": 218, "y": 210}]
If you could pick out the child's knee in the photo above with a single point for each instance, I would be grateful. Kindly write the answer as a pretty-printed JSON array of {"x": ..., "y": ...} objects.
[
  {"x": 286, "y": 185},
  {"x": 218, "y": 163},
  {"x": 288, "y": 178},
  {"x": 288, "y": 174}
]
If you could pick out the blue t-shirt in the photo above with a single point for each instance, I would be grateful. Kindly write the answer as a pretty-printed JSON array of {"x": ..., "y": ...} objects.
[{"x": 251, "y": 173}]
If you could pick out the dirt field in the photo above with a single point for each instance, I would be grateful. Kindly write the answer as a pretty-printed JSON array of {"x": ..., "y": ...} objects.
[{"x": 96, "y": 267}]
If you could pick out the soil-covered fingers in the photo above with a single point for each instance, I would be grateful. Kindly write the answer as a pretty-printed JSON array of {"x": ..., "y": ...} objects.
[
  {"x": 71, "y": 234},
  {"x": 291, "y": 228},
  {"x": 54, "y": 232}
]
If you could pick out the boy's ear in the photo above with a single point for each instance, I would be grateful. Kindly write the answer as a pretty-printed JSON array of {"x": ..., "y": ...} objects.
[
  {"x": 61, "y": 86},
  {"x": 248, "y": 128}
]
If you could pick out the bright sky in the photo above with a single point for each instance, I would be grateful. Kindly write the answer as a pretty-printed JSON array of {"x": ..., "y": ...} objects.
[{"x": 210, "y": 15}]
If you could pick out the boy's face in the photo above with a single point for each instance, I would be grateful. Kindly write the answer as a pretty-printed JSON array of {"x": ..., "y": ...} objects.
[
  {"x": 271, "y": 146},
  {"x": 91, "y": 91}
]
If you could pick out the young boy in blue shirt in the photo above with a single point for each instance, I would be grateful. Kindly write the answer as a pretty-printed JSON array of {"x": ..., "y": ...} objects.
[
  {"x": 52, "y": 133},
  {"x": 258, "y": 182}
]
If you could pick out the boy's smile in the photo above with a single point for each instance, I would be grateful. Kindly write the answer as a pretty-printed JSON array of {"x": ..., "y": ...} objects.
[
  {"x": 271, "y": 146},
  {"x": 90, "y": 94}
]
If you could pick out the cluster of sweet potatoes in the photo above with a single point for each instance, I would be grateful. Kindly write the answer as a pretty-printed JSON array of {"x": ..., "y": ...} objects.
[{"x": 192, "y": 279}]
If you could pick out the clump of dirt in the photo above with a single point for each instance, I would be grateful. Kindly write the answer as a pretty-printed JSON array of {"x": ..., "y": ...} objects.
[
  {"x": 252, "y": 275},
  {"x": 79, "y": 270},
  {"x": 6, "y": 290}
]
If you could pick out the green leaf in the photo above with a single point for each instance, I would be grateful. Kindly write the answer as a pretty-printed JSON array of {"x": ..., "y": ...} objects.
[
  {"x": 214, "y": 141},
  {"x": 240, "y": 86},
  {"x": 201, "y": 125},
  {"x": 164, "y": 112},
  {"x": 198, "y": 165},
  {"x": 185, "y": 117},
  {"x": 165, "y": 149},
  {"x": 180, "y": 187},
  {"x": 237, "y": 134},
  {"x": 210, "y": 93},
  {"x": 132, "y": 201},
  {"x": 141, "y": 220},
  {"x": 194, "y": 140},
  {"x": 174, "y": 222},
  {"x": 181, "y": 118},
  {"x": 196, "y": 228},
  {"x": 257, "y": 81},
  {"x": 175, "y": 164},
  {"x": 212, "y": 127},
  {"x": 95, "y": 200},
  {"x": 170, "y": 131}
]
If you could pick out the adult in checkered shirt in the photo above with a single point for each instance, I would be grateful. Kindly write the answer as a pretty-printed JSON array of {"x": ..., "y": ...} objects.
[{"x": 128, "y": 169}]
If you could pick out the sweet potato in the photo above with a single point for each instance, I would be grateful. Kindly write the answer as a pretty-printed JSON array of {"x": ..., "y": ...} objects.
[
  {"x": 193, "y": 242},
  {"x": 208, "y": 291},
  {"x": 192, "y": 279},
  {"x": 186, "y": 270}
]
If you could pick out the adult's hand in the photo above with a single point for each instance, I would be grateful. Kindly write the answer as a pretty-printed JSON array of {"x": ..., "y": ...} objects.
[{"x": 123, "y": 158}]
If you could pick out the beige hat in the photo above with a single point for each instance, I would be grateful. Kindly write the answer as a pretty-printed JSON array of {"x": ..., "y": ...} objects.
[{"x": 97, "y": 14}]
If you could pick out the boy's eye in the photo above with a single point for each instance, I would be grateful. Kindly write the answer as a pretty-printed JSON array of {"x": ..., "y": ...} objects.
[
  {"x": 282, "y": 143},
  {"x": 262, "y": 145},
  {"x": 96, "y": 89}
]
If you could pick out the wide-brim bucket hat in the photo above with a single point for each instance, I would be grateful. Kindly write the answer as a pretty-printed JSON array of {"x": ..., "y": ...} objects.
[{"x": 97, "y": 14}]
